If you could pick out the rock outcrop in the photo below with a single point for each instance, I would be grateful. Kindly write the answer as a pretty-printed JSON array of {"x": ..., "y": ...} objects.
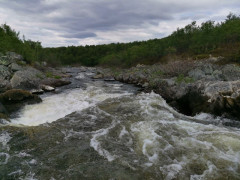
[
  {"x": 27, "y": 79},
  {"x": 12, "y": 100},
  {"x": 190, "y": 86},
  {"x": 19, "y": 82}
]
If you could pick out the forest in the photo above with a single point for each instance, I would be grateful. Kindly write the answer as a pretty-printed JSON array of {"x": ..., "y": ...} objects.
[{"x": 193, "y": 41}]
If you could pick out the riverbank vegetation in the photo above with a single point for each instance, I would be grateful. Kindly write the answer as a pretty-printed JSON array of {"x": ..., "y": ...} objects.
[
  {"x": 10, "y": 40},
  {"x": 193, "y": 41}
]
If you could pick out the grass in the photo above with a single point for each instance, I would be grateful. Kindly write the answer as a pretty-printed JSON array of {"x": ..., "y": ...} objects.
[
  {"x": 50, "y": 75},
  {"x": 181, "y": 78}
]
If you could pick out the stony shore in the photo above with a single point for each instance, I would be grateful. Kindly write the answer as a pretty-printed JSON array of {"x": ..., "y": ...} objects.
[
  {"x": 189, "y": 86},
  {"x": 20, "y": 82}
]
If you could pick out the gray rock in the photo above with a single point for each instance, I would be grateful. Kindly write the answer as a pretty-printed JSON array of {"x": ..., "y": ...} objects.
[
  {"x": 207, "y": 69},
  {"x": 98, "y": 76},
  {"x": 47, "y": 88},
  {"x": 4, "y": 72},
  {"x": 231, "y": 72},
  {"x": 15, "y": 67},
  {"x": 14, "y": 56},
  {"x": 196, "y": 74},
  {"x": 4, "y": 85},
  {"x": 145, "y": 85},
  {"x": 54, "y": 82},
  {"x": 27, "y": 79},
  {"x": 5, "y": 61},
  {"x": 218, "y": 75},
  {"x": 37, "y": 91}
]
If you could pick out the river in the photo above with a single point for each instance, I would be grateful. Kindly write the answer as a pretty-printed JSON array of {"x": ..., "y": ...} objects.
[{"x": 95, "y": 129}]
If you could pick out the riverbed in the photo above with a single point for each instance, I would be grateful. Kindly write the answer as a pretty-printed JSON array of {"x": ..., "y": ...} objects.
[{"x": 96, "y": 129}]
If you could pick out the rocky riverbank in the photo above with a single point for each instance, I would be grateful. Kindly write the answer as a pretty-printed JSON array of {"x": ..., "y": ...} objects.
[
  {"x": 189, "y": 86},
  {"x": 20, "y": 82}
]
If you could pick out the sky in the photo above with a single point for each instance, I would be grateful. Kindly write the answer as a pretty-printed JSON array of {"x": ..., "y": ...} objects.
[{"x": 90, "y": 22}]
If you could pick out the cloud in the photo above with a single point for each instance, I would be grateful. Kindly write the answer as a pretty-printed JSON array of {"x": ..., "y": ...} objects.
[{"x": 56, "y": 22}]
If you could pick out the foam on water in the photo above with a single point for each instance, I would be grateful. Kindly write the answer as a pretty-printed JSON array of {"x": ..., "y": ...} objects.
[
  {"x": 58, "y": 106},
  {"x": 4, "y": 139},
  {"x": 164, "y": 133},
  {"x": 141, "y": 132}
]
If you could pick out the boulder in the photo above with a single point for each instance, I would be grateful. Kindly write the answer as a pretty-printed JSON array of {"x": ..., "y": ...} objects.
[
  {"x": 4, "y": 72},
  {"x": 196, "y": 74},
  {"x": 207, "y": 69},
  {"x": 98, "y": 76},
  {"x": 15, "y": 95},
  {"x": 15, "y": 67},
  {"x": 5, "y": 61},
  {"x": 14, "y": 56},
  {"x": 4, "y": 85},
  {"x": 27, "y": 79},
  {"x": 54, "y": 82},
  {"x": 47, "y": 88},
  {"x": 231, "y": 72},
  {"x": 14, "y": 99}
]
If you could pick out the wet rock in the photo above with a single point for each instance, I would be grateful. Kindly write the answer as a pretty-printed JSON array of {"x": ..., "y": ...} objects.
[
  {"x": 47, "y": 88},
  {"x": 98, "y": 76},
  {"x": 15, "y": 95},
  {"x": 2, "y": 109},
  {"x": 27, "y": 79},
  {"x": 109, "y": 79},
  {"x": 37, "y": 91},
  {"x": 145, "y": 85},
  {"x": 55, "y": 82},
  {"x": 14, "y": 99}
]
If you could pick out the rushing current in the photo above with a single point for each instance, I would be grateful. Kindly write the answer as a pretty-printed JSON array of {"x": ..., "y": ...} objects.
[{"x": 95, "y": 129}]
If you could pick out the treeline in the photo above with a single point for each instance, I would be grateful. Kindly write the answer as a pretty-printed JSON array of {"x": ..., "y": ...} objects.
[
  {"x": 192, "y": 41},
  {"x": 10, "y": 41}
]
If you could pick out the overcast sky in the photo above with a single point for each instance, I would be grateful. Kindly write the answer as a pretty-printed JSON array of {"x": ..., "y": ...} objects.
[{"x": 81, "y": 22}]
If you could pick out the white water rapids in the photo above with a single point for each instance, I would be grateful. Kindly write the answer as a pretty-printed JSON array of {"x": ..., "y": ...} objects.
[
  {"x": 58, "y": 106},
  {"x": 107, "y": 131}
]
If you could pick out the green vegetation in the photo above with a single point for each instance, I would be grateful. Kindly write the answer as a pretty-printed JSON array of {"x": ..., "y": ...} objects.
[
  {"x": 51, "y": 75},
  {"x": 10, "y": 41},
  {"x": 181, "y": 79},
  {"x": 192, "y": 41},
  {"x": 221, "y": 39}
]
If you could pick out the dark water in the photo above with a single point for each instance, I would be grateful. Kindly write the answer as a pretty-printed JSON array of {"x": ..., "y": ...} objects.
[{"x": 108, "y": 130}]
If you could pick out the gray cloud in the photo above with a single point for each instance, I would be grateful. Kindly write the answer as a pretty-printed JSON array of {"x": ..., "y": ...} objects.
[
  {"x": 80, "y": 35},
  {"x": 54, "y": 22}
]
